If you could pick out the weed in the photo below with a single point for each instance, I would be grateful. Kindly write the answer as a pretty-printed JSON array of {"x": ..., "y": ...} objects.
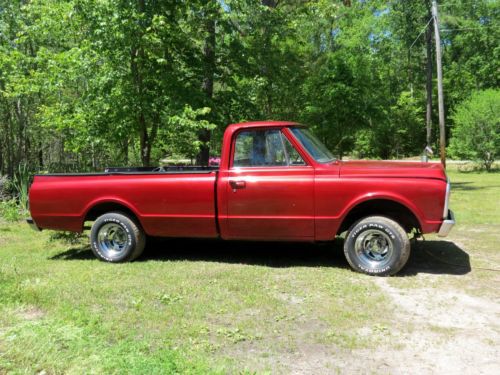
[
  {"x": 70, "y": 238},
  {"x": 10, "y": 211},
  {"x": 168, "y": 299},
  {"x": 21, "y": 184}
]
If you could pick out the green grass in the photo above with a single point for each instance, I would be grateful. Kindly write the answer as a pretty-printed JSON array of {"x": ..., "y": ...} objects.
[
  {"x": 177, "y": 310},
  {"x": 475, "y": 197},
  {"x": 206, "y": 306},
  {"x": 473, "y": 242}
]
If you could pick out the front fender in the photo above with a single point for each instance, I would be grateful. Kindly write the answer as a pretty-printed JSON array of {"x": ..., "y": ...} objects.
[{"x": 397, "y": 198}]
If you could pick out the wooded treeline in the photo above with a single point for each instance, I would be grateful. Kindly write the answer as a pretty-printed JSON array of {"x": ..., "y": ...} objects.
[{"x": 90, "y": 83}]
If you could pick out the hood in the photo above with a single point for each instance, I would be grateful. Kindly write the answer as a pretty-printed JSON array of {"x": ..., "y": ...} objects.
[{"x": 384, "y": 168}]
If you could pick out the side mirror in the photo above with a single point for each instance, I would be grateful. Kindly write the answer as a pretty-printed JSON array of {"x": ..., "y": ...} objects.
[{"x": 425, "y": 154}]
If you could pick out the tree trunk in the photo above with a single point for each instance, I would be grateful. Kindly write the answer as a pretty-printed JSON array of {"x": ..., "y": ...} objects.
[
  {"x": 10, "y": 151},
  {"x": 93, "y": 156},
  {"x": 264, "y": 69},
  {"x": 136, "y": 59},
  {"x": 22, "y": 124},
  {"x": 6, "y": 123},
  {"x": 207, "y": 85},
  {"x": 4, "y": 152},
  {"x": 1, "y": 159},
  {"x": 125, "y": 151},
  {"x": 142, "y": 126},
  {"x": 144, "y": 138},
  {"x": 40, "y": 155},
  {"x": 428, "y": 86}
]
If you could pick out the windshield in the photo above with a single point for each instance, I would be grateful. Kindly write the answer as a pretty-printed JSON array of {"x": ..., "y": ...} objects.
[{"x": 313, "y": 145}]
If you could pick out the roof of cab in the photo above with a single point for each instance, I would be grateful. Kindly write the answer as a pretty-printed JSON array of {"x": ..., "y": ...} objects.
[{"x": 261, "y": 124}]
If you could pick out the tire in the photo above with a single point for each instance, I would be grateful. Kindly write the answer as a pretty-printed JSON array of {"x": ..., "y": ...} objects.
[
  {"x": 115, "y": 237},
  {"x": 377, "y": 245}
]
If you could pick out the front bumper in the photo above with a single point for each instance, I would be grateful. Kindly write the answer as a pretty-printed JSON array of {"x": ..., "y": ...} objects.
[
  {"x": 447, "y": 224},
  {"x": 32, "y": 224}
]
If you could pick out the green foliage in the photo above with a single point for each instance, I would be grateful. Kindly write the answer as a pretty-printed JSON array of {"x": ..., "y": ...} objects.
[
  {"x": 9, "y": 210},
  {"x": 180, "y": 136},
  {"x": 20, "y": 184},
  {"x": 401, "y": 134},
  {"x": 340, "y": 90},
  {"x": 5, "y": 184},
  {"x": 472, "y": 54},
  {"x": 90, "y": 83},
  {"x": 476, "y": 134},
  {"x": 14, "y": 202}
]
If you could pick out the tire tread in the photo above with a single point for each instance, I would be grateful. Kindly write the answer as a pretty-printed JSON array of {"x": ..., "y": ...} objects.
[
  {"x": 137, "y": 233},
  {"x": 405, "y": 249}
]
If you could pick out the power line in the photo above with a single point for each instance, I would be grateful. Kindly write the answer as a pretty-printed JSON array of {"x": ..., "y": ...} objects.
[
  {"x": 472, "y": 28},
  {"x": 423, "y": 30},
  {"x": 439, "y": 69}
]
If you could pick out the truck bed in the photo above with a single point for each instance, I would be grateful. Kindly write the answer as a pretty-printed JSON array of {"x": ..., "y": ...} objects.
[{"x": 168, "y": 203}]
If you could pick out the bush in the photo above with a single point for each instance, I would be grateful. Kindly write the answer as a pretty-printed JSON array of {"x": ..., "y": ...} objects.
[
  {"x": 476, "y": 134},
  {"x": 4, "y": 188},
  {"x": 9, "y": 210},
  {"x": 21, "y": 184},
  {"x": 401, "y": 133},
  {"x": 14, "y": 194}
]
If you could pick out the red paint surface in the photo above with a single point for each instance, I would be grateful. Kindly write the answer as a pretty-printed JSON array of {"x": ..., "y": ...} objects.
[{"x": 304, "y": 203}]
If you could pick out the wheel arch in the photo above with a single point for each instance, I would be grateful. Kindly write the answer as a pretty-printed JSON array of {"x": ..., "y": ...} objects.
[
  {"x": 98, "y": 208},
  {"x": 381, "y": 206}
]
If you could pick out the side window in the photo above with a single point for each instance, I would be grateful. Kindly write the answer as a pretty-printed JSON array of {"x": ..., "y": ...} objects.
[
  {"x": 260, "y": 148},
  {"x": 294, "y": 157},
  {"x": 254, "y": 148}
]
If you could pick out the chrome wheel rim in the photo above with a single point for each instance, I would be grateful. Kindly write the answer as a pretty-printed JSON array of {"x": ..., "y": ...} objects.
[
  {"x": 374, "y": 248},
  {"x": 112, "y": 239}
]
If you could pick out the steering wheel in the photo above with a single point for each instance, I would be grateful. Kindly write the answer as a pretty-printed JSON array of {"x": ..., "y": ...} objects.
[{"x": 159, "y": 169}]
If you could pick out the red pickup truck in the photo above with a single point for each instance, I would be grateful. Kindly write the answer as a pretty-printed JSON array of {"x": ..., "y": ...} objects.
[{"x": 275, "y": 182}]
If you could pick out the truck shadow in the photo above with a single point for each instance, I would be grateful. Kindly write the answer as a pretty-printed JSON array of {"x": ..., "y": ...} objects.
[
  {"x": 469, "y": 186},
  {"x": 430, "y": 257},
  {"x": 437, "y": 257}
]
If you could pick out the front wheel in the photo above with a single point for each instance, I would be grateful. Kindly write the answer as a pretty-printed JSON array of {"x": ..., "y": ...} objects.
[
  {"x": 377, "y": 245},
  {"x": 115, "y": 237}
]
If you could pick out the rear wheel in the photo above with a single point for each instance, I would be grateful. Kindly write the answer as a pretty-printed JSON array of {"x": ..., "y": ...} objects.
[
  {"x": 377, "y": 245},
  {"x": 116, "y": 237}
]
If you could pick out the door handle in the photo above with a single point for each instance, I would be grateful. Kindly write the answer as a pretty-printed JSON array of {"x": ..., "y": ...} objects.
[{"x": 237, "y": 184}]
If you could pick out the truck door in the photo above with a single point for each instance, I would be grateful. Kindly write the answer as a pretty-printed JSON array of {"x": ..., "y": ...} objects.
[{"x": 270, "y": 188}]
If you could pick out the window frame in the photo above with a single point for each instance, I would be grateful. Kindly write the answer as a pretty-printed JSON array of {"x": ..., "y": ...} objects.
[
  {"x": 282, "y": 135},
  {"x": 302, "y": 146}
]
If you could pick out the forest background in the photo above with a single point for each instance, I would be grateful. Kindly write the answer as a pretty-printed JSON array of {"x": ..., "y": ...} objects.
[{"x": 86, "y": 84}]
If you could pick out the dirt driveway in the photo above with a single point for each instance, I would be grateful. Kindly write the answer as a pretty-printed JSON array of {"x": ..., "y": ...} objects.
[{"x": 446, "y": 320}]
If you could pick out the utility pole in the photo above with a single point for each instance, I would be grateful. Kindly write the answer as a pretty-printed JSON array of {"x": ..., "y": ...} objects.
[
  {"x": 442, "y": 134},
  {"x": 428, "y": 85}
]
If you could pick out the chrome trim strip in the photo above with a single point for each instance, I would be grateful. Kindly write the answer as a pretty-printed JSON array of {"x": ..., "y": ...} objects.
[
  {"x": 446, "y": 198},
  {"x": 447, "y": 224}
]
